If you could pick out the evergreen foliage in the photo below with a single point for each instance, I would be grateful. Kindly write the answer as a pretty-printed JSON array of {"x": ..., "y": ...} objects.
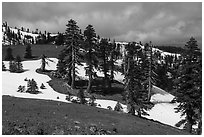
[
  {"x": 21, "y": 89},
  {"x": 44, "y": 62},
  {"x": 73, "y": 40},
  {"x": 28, "y": 52},
  {"x": 59, "y": 39},
  {"x": 92, "y": 100},
  {"x": 90, "y": 42},
  {"x": 42, "y": 86},
  {"x": 118, "y": 107},
  {"x": 81, "y": 96},
  {"x": 135, "y": 93},
  {"x": 32, "y": 87},
  {"x": 3, "y": 66},
  {"x": 9, "y": 55},
  {"x": 19, "y": 66},
  {"x": 104, "y": 53},
  {"x": 113, "y": 57},
  {"x": 149, "y": 67},
  {"x": 189, "y": 86},
  {"x": 12, "y": 66}
]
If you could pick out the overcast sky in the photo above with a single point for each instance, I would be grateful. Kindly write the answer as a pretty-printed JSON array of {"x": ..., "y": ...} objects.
[{"x": 162, "y": 23}]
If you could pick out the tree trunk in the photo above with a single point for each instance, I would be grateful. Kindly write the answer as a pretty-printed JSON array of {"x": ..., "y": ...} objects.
[
  {"x": 149, "y": 77},
  {"x": 70, "y": 76},
  {"x": 43, "y": 65},
  {"x": 73, "y": 68},
  {"x": 89, "y": 70},
  {"x": 199, "y": 130},
  {"x": 105, "y": 73},
  {"x": 90, "y": 79},
  {"x": 112, "y": 67},
  {"x": 190, "y": 121},
  {"x": 139, "y": 113},
  {"x": 189, "y": 128}
]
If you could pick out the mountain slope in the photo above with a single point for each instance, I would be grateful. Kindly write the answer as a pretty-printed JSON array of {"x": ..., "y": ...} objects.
[
  {"x": 31, "y": 116},
  {"x": 10, "y": 86}
]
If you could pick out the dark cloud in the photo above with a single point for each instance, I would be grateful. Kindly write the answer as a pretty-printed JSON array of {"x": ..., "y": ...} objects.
[{"x": 158, "y": 22}]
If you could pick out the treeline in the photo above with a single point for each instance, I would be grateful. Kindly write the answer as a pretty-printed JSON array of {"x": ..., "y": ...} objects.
[{"x": 35, "y": 37}]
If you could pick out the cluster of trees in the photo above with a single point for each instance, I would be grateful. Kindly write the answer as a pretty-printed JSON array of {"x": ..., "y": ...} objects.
[
  {"x": 18, "y": 38},
  {"x": 140, "y": 67},
  {"x": 31, "y": 87},
  {"x": 97, "y": 53},
  {"x": 188, "y": 85},
  {"x": 139, "y": 74},
  {"x": 15, "y": 64}
]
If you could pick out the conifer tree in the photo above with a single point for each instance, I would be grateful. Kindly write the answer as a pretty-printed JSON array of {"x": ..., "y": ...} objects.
[
  {"x": 19, "y": 66},
  {"x": 189, "y": 86},
  {"x": 44, "y": 62},
  {"x": 81, "y": 96},
  {"x": 113, "y": 54},
  {"x": 9, "y": 55},
  {"x": 135, "y": 93},
  {"x": 90, "y": 56},
  {"x": 28, "y": 52},
  {"x": 104, "y": 52},
  {"x": 59, "y": 39},
  {"x": 32, "y": 86},
  {"x": 3, "y": 66},
  {"x": 12, "y": 66},
  {"x": 61, "y": 65},
  {"x": 73, "y": 42},
  {"x": 149, "y": 66}
]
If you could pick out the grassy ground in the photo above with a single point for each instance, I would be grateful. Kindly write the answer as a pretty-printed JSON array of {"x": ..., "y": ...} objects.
[
  {"x": 37, "y": 50},
  {"x": 114, "y": 93},
  {"x": 32, "y": 116}
]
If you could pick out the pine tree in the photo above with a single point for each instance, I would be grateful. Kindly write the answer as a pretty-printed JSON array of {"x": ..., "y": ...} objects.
[
  {"x": 104, "y": 53},
  {"x": 61, "y": 65},
  {"x": 59, "y": 39},
  {"x": 28, "y": 52},
  {"x": 90, "y": 57},
  {"x": 81, "y": 96},
  {"x": 149, "y": 67},
  {"x": 44, "y": 62},
  {"x": 73, "y": 40},
  {"x": 9, "y": 55},
  {"x": 19, "y": 66},
  {"x": 91, "y": 100},
  {"x": 189, "y": 86},
  {"x": 135, "y": 93},
  {"x": 112, "y": 60},
  {"x": 3, "y": 66},
  {"x": 12, "y": 66},
  {"x": 118, "y": 107},
  {"x": 42, "y": 86},
  {"x": 32, "y": 86}
]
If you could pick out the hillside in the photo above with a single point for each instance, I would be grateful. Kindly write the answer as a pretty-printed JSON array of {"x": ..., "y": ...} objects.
[
  {"x": 50, "y": 117},
  {"x": 56, "y": 89}
]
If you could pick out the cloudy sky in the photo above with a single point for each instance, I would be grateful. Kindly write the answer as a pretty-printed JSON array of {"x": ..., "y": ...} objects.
[{"x": 162, "y": 23}]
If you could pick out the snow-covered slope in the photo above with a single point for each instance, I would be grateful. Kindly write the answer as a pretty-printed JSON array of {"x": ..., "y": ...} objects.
[
  {"x": 163, "y": 112},
  {"x": 11, "y": 81}
]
